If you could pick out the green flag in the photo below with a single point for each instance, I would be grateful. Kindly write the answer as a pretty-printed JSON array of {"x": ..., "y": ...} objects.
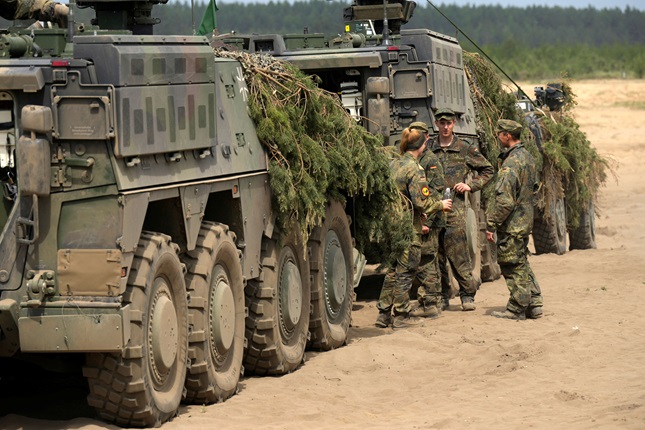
[{"x": 209, "y": 21}]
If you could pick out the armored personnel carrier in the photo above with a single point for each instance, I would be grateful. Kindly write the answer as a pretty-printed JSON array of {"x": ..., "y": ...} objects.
[
  {"x": 137, "y": 225},
  {"x": 387, "y": 78}
]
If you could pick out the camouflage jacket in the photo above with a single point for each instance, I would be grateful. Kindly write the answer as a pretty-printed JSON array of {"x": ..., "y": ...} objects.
[
  {"x": 458, "y": 160},
  {"x": 411, "y": 181},
  {"x": 517, "y": 183},
  {"x": 27, "y": 9},
  {"x": 435, "y": 179}
]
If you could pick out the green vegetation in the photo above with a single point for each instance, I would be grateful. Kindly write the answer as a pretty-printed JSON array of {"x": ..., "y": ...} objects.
[
  {"x": 319, "y": 153},
  {"x": 532, "y": 43},
  {"x": 569, "y": 166}
]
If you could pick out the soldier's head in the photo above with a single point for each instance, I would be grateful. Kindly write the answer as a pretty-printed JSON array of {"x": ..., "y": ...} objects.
[
  {"x": 444, "y": 119},
  {"x": 413, "y": 140},
  {"x": 421, "y": 126},
  {"x": 508, "y": 132}
]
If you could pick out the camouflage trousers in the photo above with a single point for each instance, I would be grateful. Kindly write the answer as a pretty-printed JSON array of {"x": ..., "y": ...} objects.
[
  {"x": 512, "y": 254},
  {"x": 429, "y": 292},
  {"x": 453, "y": 249},
  {"x": 395, "y": 292}
]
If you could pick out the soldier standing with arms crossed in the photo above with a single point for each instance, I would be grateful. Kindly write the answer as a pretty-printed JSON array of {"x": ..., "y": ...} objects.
[
  {"x": 511, "y": 217},
  {"x": 410, "y": 179},
  {"x": 458, "y": 159}
]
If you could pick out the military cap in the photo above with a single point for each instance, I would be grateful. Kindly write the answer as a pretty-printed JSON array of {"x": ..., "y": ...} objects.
[
  {"x": 417, "y": 144},
  {"x": 509, "y": 126},
  {"x": 419, "y": 125},
  {"x": 444, "y": 113}
]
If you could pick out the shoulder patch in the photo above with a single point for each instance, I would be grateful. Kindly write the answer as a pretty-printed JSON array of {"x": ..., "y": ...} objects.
[{"x": 425, "y": 191}]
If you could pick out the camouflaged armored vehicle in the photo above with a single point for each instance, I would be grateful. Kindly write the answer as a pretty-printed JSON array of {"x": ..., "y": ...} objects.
[
  {"x": 137, "y": 227},
  {"x": 387, "y": 78}
]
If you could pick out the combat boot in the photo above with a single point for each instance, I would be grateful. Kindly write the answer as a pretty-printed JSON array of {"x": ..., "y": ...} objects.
[
  {"x": 534, "y": 313},
  {"x": 383, "y": 320},
  {"x": 426, "y": 311},
  {"x": 467, "y": 303},
  {"x": 445, "y": 304},
  {"x": 405, "y": 320},
  {"x": 509, "y": 315}
]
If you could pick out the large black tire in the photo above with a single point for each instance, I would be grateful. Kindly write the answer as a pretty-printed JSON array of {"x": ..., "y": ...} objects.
[
  {"x": 216, "y": 312},
  {"x": 143, "y": 386},
  {"x": 279, "y": 303},
  {"x": 550, "y": 233},
  {"x": 332, "y": 279},
  {"x": 584, "y": 237}
]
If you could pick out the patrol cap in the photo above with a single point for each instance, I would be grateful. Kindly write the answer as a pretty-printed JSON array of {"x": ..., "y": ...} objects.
[
  {"x": 419, "y": 125},
  {"x": 508, "y": 126},
  {"x": 445, "y": 113},
  {"x": 416, "y": 144}
]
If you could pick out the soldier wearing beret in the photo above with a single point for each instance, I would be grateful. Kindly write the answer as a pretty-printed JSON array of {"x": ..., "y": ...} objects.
[
  {"x": 428, "y": 275},
  {"x": 41, "y": 10},
  {"x": 511, "y": 217},
  {"x": 459, "y": 159},
  {"x": 411, "y": 181}
]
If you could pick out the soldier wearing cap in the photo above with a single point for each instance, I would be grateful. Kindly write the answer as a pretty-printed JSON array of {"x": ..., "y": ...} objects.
[
  {"x": 428, "y": 275},
  {"x": 410, "y": 179},
  {"x": 42, "y": 10},
  {"x": 511, "y": 217},
  {"x": 459, "y": 159}
]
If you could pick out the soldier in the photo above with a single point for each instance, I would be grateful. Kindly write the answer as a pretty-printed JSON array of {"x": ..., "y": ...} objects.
[
  {"x": 42, "y": 10},
  {"x": 511, "y": 217},
  {"x": 410, "y": 178},
  {"x": 458, "y": 159},
  {"x": 428, "y": 275}
]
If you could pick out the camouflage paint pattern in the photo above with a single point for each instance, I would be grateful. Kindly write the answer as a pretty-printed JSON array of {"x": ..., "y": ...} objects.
[
  {"x": 511, "y": 216},
  {"x": 517, "y": 182},
  {"x": 411, "y": 181},
  {"x": 457, "y": 161},
  {"x": 428, "y": 275}
]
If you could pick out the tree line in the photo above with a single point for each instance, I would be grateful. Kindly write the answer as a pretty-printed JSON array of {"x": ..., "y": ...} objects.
[
  {"x": 535, "y": 42},
  {"x": 528, "y": 43}
]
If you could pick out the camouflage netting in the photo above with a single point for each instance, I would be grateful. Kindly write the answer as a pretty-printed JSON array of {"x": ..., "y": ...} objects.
[
  {"x": 317, "y": 153},
  {"x": 569, "y": 166}
]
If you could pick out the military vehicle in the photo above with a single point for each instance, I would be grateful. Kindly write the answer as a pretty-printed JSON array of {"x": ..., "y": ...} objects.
[
  {"x": 551, "y": 224},
  {"x": 137, "y": 225},
  {"x": 387, "y": 78}
]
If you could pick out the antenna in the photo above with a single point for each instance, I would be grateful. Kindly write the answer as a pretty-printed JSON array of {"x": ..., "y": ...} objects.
[{"x": 386, "y": 30}]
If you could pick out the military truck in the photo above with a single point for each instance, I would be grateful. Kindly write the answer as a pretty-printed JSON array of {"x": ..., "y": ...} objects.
[
  {"x": 137, "y": 225},
  {"x": 387, "y": 78}
]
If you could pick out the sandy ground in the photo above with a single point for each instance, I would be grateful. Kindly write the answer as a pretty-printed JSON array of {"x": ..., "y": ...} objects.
[{"x": 579, "y": 367}]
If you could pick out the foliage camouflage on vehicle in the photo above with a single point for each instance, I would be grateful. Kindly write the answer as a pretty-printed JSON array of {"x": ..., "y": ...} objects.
[{"x": 319, "y": 153}]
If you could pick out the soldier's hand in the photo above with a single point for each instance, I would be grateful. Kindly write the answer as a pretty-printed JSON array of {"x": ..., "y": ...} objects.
[
  {"x": 462, "y": 187},
  {"x": 425, "y": 229},
  {"x": 447, "y": 205},
  {"x": 490, "y": 236}
]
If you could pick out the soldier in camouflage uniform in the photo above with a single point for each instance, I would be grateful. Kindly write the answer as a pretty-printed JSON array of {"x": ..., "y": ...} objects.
[
  {"x": 428, "y": 275},
  {"x": 511, "y": 217},
  {"x": 458, "y": 159},
  {"x": 42, "y": 10},
  {"x": 410, "y": 178}
]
